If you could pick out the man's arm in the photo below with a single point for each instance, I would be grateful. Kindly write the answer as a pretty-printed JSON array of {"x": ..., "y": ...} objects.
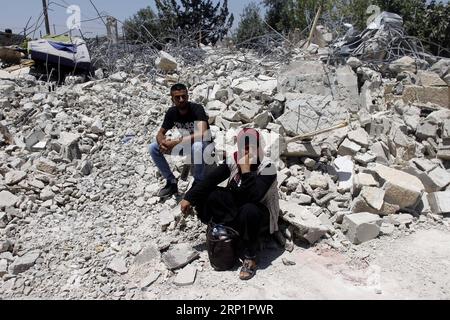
[{"x": 161, "y": 139}]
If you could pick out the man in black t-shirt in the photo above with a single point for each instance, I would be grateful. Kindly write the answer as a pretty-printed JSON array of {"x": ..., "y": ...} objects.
[{"x": 192, "y": 121}]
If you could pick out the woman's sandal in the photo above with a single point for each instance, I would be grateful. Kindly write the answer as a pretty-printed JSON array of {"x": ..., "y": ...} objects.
[{"x": 248, "y": 269}]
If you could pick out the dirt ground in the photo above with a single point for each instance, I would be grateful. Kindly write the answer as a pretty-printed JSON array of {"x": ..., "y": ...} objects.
[{"x": 414, "y": 266}]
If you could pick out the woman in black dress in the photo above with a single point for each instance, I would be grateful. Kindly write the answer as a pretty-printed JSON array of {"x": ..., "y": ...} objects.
[{"x": 248, "y": 203}]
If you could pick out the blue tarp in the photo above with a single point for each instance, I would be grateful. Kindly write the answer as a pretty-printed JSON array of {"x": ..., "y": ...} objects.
[{"x": 72, "y": 48}]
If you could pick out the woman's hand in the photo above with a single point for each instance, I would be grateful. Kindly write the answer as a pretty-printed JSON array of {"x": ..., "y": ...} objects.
[
  {"x": 245, "y": 163},
  {"x": 185, "y": 207}
]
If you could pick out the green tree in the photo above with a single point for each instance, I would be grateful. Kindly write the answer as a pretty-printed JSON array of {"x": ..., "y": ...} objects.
[
  {"x": 287, "y": 15},
  {"x": 142, "y": 26},
  {"x": 210, "y": 23},
  {"x": 250, "y": 27}
]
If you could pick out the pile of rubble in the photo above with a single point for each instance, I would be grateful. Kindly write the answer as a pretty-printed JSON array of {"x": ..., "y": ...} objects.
[{"x": 79, "y": 216}]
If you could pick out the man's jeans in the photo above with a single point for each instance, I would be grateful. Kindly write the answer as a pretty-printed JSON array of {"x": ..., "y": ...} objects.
[{"x": 197, "y": 149}]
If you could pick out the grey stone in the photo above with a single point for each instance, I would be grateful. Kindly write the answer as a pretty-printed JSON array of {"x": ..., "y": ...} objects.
[
  {"x": 381, "y": 153},
  {"x": 309, "y": 113},
  {"x": 298, "y": 149},
  {"x": 24, "y": 262},
  {"x": 361, "y": 227},
  {"x": 426, "y": 130},
  {"x": 5, "y": 245},
  {"x": 14, "y": 177},
  {"x": 404, "y": 218},
  {"x": 248, "y": 111},
  {"x": 149, "y": 280},
  {"x": 166, "y": 62},
  {"x": 439, "y": 202},
  {"x": 354, "y": 63},
  {"x": 359, "y": 136},
  {"x": 186, "y": 276},
  {"x": 304, "y": 220},
  {"x": 34, "y": 137},
  {"x": 387, "y": 229},
  {"x": 403, "y": 64},
  {"x": 86, "y": 167},
  {"x": 430, "y": 79},
  {"x": 401, "y": 188},
  {"x": 7, "y": 199},
  {"x": 365, "y": 158},
  {"x": 373, "y": 196},
  {"x": 47, "y": 194},
  {"x": 347, "y": 88},
  {"x": 46, "y": 165},
  {"x": 317, "y": 180},
  {"x": 148, "y": 254},
  {"x": 424, "y": 164},
  {"x": 303, "y": 199},
  {"x": 69, "y": 147},
  {"x": 344, "y": 168},
  {"x": 3, "y": 267},
  {"x": 364, "y": 179},
  {"x": 440, "y": 177},
  {"x": 348, "y": 148},
  {"x": 166, "y": 217},
  {"x": 97, "y": 127},
  {"x": 179, "y": 256},
  {"x": 262, "y": 120},
  {"x": 118, "y": 265}
]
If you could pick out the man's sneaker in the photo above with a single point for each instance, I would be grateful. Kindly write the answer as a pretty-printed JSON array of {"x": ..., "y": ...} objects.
[{"x": 169, "y": 190}]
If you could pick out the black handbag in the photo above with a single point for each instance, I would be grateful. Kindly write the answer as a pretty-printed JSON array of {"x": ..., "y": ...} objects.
[{"x": 222, "y": 244}]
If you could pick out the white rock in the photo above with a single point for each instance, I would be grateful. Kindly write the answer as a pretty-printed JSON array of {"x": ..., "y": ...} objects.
[
  {"x": 7, "y": 199},
  {"x": 14, "y": 177},
  {"x": 305, "y": 221},
  {"x": 401, "y": 188},
  {"x": 166, "y": 62},
  {"x": 345, "y": 169},
  {"x": 439, "y": 202},
  {"x": 361, "y": 227},
  {"x": 373, "y": 196},
  {"x": 186, "y": 276},
  {"x": 118, "y": 265},
  {"x": 349, "y": 148},
  {"x": 359, "y": 136},
  {"x": 24, "y": 262}
]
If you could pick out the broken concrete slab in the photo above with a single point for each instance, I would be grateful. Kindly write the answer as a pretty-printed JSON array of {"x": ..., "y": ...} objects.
[
  {"x": 14, "y": 177},
  {"x": 401, "y": 188},
  {"x": 179, "y": 256},
  {"x": 69, "y": 147},
  {"x": 305, "y": 221},
  {"x": 166, "y": 62},
  {"x": 359, "y": 136},
  {"x": 149, "y": 280},
  {"x": 348, "y": 148},
  {"x": 435, "y": 95},
  {"x": 365, "y": 158},
  {"x": 439, "y": 202},
  {"x": 186, "y": 276},
  {"x": 403, "y": 64},
  {"x": 7, "y": 199},
  {"x": 317, "y": 180},
  {"x": 440, "y": 177},
  {"x": 345, "y": 169},
  {"x": 148, "y": 254},
  {"x": 373, "y": 196},
  {"x": 248, "y": 111},
  {"x": 361, "y": 227},
  {"x": 46, "y": 165},
  {"x": 424, "y": 164},
  {"x": 299, "y": 149},
  {"x": 118, "y": 265},
  {"x": 430, "y": 79},
  {"x": 426, "y": 130},
  {"x": 23, "y": 263}
]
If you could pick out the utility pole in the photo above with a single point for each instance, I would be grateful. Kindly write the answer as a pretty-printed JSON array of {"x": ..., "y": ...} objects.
[{"x": 47, "y": 24}]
